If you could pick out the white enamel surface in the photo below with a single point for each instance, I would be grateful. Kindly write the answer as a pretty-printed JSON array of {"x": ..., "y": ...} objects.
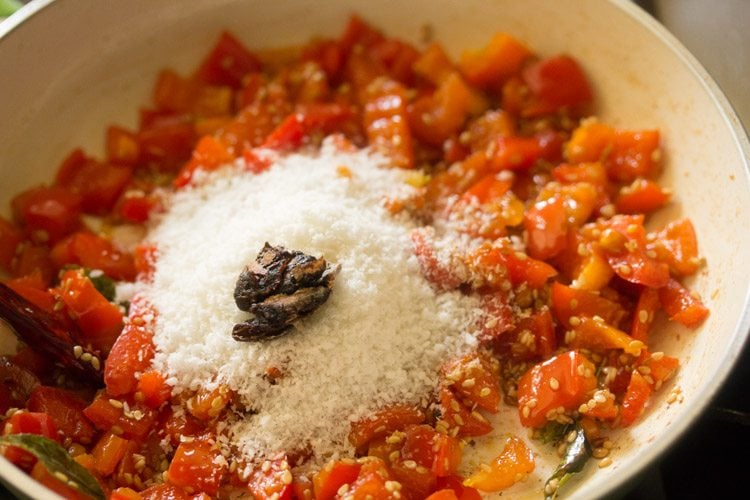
[{"x": 76, "y": 66}]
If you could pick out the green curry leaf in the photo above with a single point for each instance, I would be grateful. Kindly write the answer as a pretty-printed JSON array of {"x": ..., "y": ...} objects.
[
  {"x": 576, "y": 455},
  {"x": 57, "y": 460}
]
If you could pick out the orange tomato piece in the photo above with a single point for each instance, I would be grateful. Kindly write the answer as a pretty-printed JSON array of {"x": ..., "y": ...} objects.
[
  {"x": 595, "y": 334},
  {"x": 434, "y": 118},
  {"x": 383, "y": 422},
  {"x": 491, "y": 65},
  {"x": 567, "y": 302},
  {"x": 546, "y": 228},
  {"x": 433, "y": 64},
  {"x": 386, "y": 121},
  {"x": 196, "y": 465},
  {"x": 327, "y": 481},
  {"x": 643, "y": 314},
  {"x": 458, "y": 419},
  {"x": 677, "y": 245},
  {"x": 635, "y": 399},
  {"x": 108, "y": 452},
  {"x": 642, "y": 196},
  {"x": 153, "y": 386},
  {"x": 563, "y": 381},
  {"x": 474, "y": 377},
  {"x": 371, "y": 482},
  {"x": 511, "y": 465},
  {"x": 94, "y": 252}
]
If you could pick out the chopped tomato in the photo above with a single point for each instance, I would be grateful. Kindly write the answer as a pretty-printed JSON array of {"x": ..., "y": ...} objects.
[
  {"x": 563, "y": 381},
  {"x": 154, "y": 388},
  {"x": 635, "y": 399},
  {"x": 546, "y": 227},
  {"x": 386, "y": 121},
  {"x": 532, "y": 337},
  {"x": 328, "y": 480},
  {"x": 26, "y": 422},
  {"x": 501, "y": 58},
  {"x": 475, "y": 378},
  {"x": 52, "y": 482},
  {"x": 227, "y": 63},
  {"x": 455, "y": 484},
  {"x": 434, "y": 118},
  {"x": 434, "y": 270},
  {"x": 681, "y": 305},
  {"x": 371, "y": 482},
  {"x": 10, "y": 238},
  {"x": 47, "y": 213},
  {"x": 34, "y": 261},
  {"x": 137, "y": 206},
  {"x": 98, "y": 184},
  {"x": 459, "y": 420},
  {"x": 446, "y": 494},
  {"x": 502, "y": 264},
  {"x": 448, "y": 454},
  {"x": 307, "y": 120},
  {"x": 555, "y": 82},
  {"x": 433, "y": 64},
  {"x": 416, "y": 482},
  {"x": 196, "y": 464},
  {"x": 515, "y": 153},
  {"x": 642, "y": 196},
  {"x": 122, "y": 146},
  {"x": 132, "y": 352},
  {"x": 94, "y": 252},
  {"x": 125, "y": 494},
  {"x": 596, "y": 335},
  {"x": 99, "y": 320},
  {"x": 677, "y": 245},
  {"x": 167, "y": 142},
  {"x": 510, "y": 466},
  {"x": 108, "y": 452},
  {"x": 65, "y": 409},
  {"x": 209, "y": 154},
  {"x": 383, "y": 422},
  {"x": 273, "y": 481},
  {"x": 207, "y": 404},
  {"x": 643, "y": 315},
  {"x": 568, "y": 302}
]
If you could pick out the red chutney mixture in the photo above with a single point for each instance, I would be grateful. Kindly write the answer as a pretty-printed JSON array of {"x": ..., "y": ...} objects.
[{"x": 520, "y": 199}]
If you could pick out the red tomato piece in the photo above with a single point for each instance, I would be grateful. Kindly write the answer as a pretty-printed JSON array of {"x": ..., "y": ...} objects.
[
  {"x": 643, "y": 315},
  {"x": 99, "y": 321},
  {"x": 681, "y": 305},
  {"x": 26, "y": 422},
  {"x": 34, "y": 261},
  {"x": 122, "y": 146},
  {"x": 132, "y": 352},
  {"x": 10, "y": 238},
  {"x": 416, "y": 482},
  {"x": 273, "y": 482},
  {"x": 454, "y": 414},
  {"x": 538, "y": 327},
  {"x": 677, "y": 245},
  {"x": 47, "y": 213},
  {"x": 383, "y": 422},
  {"x": 328, "y": 480},
  {"x": 228, "y": 63},
  {"x": 455, "y": 483},
  {"x": 496, "y": 319},
  {"x": 546, "y": 227},
  {"x": 448, "y": 454},
  {"x": 125, "y": 494},
  {"x": 475, "y": 378},
  {"x": 196, "y": 465},
  {"x": 94, "y": 252},
  {"x": 166, "y": 491},
  {"x": 65, "y": 409},
  {"x": 512, "y": 464},
  {"x": 563, "y": 381},
  {"x": 167, "y": 142},
  {"x": 555, "y": 82},
  {"x": 435, "y": 270},
  {"x": 98, "y": 184},
  {"x": 515, "y": 153},
  {"x": 50, "y": 481},
  {"x": 505, "y": 265},
  {"x": 446, "y": 494},
  {"x": 307, "y": 120},
  {"x": 636, "y": 397},
  {"x": 137, "y": 206}
]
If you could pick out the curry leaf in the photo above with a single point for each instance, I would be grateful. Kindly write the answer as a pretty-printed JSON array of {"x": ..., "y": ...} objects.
[
  {"x": 576, "y": 455},
  {"x": 56, "y": 460}
]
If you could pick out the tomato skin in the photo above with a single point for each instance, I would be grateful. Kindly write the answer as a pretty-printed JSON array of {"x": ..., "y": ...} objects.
[
  {"x": 51, "y": 211},
  {"x": 193, "y": 466},
  {"x": 572, "y": 387},
  {"x": 515, "y": 460},
  {"x": 65, "y": 409}
]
